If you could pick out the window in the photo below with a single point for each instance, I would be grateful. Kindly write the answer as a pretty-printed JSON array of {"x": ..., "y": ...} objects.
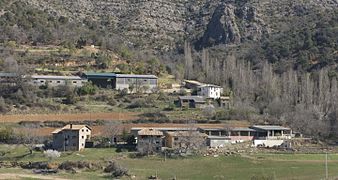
[
  {"x": 58, "y": 82},
  {"x": 74, "y": 82},
  {"x": 175, "y": 138},
  {"x": 88, "y": 136},
  {"x": 41, "y": 81},
  {"x": 82, "y": 145},
  {"x": 86, "y": 130},
  {"x": 153, "y": 81},
  {"x": 244, "y": 133},
  {"x": 82, "y": 137},
  {"x": 234, "y": 133},
  {"x": 82, "y": 130},
  {"x": 50, "y": 81}
]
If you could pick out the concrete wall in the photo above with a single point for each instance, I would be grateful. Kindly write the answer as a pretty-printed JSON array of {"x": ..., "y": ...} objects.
[
  {"x": 84, "y": 135},
  {"x": 241, "y": 138},
  {"x": 136, "y": 84},
  {"x": 218, "y": 142},
  {"x": 268, "y": 143},
  {"x": 210, "y": 92},
  {"x": 58, "y": 82}
]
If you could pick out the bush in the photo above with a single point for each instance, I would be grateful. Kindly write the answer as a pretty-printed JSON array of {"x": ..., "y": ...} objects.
[
  {"x": 123, "y": 93},
  {"x": 262, "y": 177},
  {"x": 162, "y": 96},
  {"x": 52, "y": 154},
  {"x": 139, "y": 103},
  {"x": 70, "y": 99},
  {"x": 116, "y": 170},
  {"x": 182, "y": 92},
  {"x": 6, "y": 134},
  {"x": 151, "y": 99},
  {"x": 87, "y": 89},
  {"x": 3, "y": 107},
  {"x": 112, "y": 102},
  {"x": 170, "y": 107}
]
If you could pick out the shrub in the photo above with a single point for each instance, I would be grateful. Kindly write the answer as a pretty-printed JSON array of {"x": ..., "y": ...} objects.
[
  {"x": 3, "y": 106},
  {"x": 70, "y": 99},
  {"x": 162, "y": 96},
  {"x": 139, "y": 103},
  {"x": 88, "y": 88},
  {"x": 123, "y": 93},
  {"x": 52, "y": 154},
  {"x": 112, "y": 102},
  {"x": 209, "y": 111},
  {"x": 262, "y": 177},
  {"x": 170, "y": 107},
  {"x": 151, "y": 99},
  {"x": 6, "y": 134},
  {"x": 182, "y": 92},
  {"x": 116, "y": 170}
]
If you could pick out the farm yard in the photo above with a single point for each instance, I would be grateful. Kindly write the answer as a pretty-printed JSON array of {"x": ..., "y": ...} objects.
[{"x": 239, "y": 166}]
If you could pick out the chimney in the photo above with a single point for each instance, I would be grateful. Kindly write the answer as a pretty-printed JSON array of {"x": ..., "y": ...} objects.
[{"x": 71, "y": 126}]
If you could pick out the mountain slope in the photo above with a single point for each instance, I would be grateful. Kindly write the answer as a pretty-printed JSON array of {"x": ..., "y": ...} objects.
[{"x": 285, "y": 30}]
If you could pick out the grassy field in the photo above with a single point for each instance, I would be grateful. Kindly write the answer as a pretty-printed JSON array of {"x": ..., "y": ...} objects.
[{"x": 273, "y": 166}]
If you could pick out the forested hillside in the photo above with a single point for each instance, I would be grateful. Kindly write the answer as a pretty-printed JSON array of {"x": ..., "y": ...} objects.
[{"x": 277, "y": 58}]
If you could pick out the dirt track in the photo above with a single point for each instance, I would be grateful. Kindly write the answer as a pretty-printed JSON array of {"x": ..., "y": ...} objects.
[
  {"x": 27, "y": 176},
  {"x": 116, "y": 116}
]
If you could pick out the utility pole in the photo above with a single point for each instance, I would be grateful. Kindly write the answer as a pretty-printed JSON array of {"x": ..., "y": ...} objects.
[
  {"x": 326, "y": 168},
  {"x": 165, "y": 155}
]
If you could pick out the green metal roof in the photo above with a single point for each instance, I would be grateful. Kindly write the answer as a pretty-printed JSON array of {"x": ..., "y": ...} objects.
[{"x": 99, "y": 75}]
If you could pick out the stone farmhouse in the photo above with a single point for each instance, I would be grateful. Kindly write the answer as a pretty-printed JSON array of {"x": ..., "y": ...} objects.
[
  {"x": 191, "y": 102},
  {"x": 149, "y": 140},
  {"x": 71, "y": 137}
]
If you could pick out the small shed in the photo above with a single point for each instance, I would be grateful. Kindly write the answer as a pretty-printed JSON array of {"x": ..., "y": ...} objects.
[{"x": 191, "y": 101}]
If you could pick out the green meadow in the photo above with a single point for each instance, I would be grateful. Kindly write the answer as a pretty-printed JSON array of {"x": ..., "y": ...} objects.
[{"x": 244, "y": 166}]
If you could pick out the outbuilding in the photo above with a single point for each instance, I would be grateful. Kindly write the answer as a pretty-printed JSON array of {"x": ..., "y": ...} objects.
[{"x": 57, "y": 80}]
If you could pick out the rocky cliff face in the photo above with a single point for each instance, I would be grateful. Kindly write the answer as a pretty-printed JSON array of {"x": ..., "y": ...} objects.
[{"x": 161, "y": 24}]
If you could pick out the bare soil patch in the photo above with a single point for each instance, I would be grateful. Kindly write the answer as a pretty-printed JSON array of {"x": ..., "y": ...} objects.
[{"x": 113, "y": 116}]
